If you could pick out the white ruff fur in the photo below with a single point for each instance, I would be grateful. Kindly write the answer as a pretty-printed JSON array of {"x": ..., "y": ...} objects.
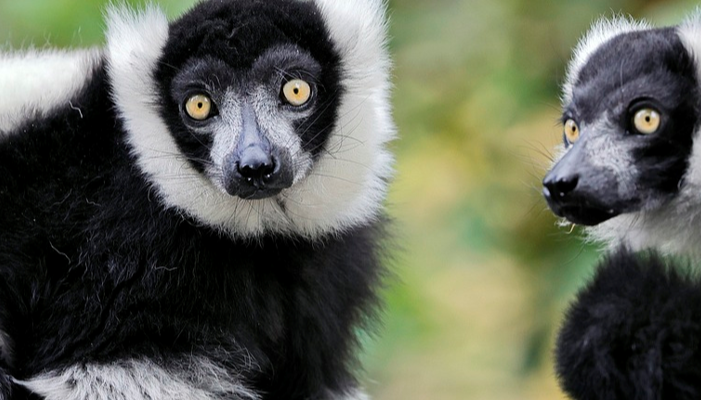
[
  {"x": 198, "y": 379},
  {"x": 674, "y": 227},
  {"x": 33, "y": 82},
  {"x": 195, "y": 378},
  {"x": 346, "y": 186}
]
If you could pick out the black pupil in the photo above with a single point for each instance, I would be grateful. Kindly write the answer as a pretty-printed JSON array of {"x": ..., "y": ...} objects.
[
  {"x": 200, "y": 105},
  {"x": 296, "y": 90}
]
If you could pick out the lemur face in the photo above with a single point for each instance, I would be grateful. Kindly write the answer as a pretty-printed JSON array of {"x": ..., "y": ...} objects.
[
  {"x": 259, "y": 117},
  {"x": 628, "y": 127},
  {"x": 252, "y": 94}
]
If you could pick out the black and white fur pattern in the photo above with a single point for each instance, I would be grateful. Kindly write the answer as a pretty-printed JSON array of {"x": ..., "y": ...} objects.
[
  {"x": 127, "y": 271},
  {"x": 633, "y": 331},
  {"x": 635, "y": 190}
]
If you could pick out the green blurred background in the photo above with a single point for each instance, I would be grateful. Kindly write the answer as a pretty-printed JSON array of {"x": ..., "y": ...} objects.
[{"x": 484, "y": 273}]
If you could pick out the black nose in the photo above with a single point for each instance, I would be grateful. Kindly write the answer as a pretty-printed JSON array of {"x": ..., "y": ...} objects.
[
  {"x": 256, "y": 173},
  {"x": 256, "y": 166},
  {"x": 560, "y": 186}
]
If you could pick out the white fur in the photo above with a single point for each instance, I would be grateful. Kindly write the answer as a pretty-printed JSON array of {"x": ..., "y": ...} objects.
[
  {"x": 139, "y": 379},
  {"x": 674, "y": 229},
  {"x": 33, "y": 82},
  {"x": 346, "y": 186},
  {"x": 601, "y": 31}
]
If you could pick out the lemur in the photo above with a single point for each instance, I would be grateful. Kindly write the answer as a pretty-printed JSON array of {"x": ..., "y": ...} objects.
[
  {"x": 631, "y": 171},
  {"x": 195, "y": 211}
]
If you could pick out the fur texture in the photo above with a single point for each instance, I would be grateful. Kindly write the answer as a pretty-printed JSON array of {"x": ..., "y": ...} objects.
[
  {"x": 56, "y": 76},
  {"x": 128, "y": 271},
  {"x": 195, "y": 378},
  {"x": 633, "y": 332},
  {"x": 601, "y": 32},
  {"x": 348, "y": 183},
  {"x": 632, "y": 189}
]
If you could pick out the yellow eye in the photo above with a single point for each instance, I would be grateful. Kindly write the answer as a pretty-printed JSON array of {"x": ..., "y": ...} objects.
[
  {"x": 571, "y": 131},
  {"x": 646, "y": 121},
  {"x": 199, "y": 107},
  {"x": 297, "y": 92}
]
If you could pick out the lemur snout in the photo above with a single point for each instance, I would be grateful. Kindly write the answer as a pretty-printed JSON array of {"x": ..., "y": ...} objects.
[
  {"x": 560, "y": 185},
  {"x": 256, "y": 172},
  {"x": 256, "y": 166},
  {"x": 574, "y": 190}
]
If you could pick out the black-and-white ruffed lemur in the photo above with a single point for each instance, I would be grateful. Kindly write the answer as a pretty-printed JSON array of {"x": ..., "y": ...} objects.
[
  {"x": 631, "y": 171},
  {"x": 194, "y": 212}
]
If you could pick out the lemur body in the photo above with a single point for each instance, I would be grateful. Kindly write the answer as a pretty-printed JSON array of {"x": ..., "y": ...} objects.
[
  {"x": 194, "y": 212},
  {"x": 631, "y": 172}
]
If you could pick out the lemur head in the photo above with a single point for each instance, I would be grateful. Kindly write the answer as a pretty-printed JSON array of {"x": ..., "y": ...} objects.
[
  {"x": 631, "y": 113},
  {"x": 259, "y": 116},
  {"x": 251, "y": 92}
]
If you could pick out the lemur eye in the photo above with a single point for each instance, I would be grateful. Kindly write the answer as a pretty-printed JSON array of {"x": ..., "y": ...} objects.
[
  {"x": 297, "y": 92},
  {"x": 571, "y": 131},
  {"x": 646, "y": 121},
  {"x": 199, "y": 107}
]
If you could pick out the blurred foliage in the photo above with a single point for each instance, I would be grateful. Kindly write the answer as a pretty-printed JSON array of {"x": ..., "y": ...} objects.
[{"x": 484, "y": 273}]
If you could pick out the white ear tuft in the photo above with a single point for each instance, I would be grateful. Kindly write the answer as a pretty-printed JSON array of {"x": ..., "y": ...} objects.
[{"x": 134, "y": 44}]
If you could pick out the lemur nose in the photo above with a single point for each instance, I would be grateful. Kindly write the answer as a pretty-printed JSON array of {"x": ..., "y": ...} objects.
[
  {"x": 256, "y": 165},
  {"x": 559, "y": 186}
]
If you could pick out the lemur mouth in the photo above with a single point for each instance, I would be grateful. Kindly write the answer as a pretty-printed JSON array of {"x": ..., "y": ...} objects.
[
  {"x": 578, "y": 210},
  {"x": 584, "y": 216},
  {"x": 257, "y": 194}
]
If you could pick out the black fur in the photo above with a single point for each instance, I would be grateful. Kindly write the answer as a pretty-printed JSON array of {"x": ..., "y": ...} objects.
[
  {"x": 93, "y": 267},
  {"x": 629, "y": 72},
  {"x": 633, "y": 333}
]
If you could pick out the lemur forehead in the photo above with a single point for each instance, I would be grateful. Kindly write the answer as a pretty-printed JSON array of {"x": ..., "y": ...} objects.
[
  {"x": 634, "y": 65},
  {"x": 633, "y": 54},
  {"x": 238, "y": 31},
  {"x": 600, "y": 32},
  {"x": 214, "y": 74}
]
